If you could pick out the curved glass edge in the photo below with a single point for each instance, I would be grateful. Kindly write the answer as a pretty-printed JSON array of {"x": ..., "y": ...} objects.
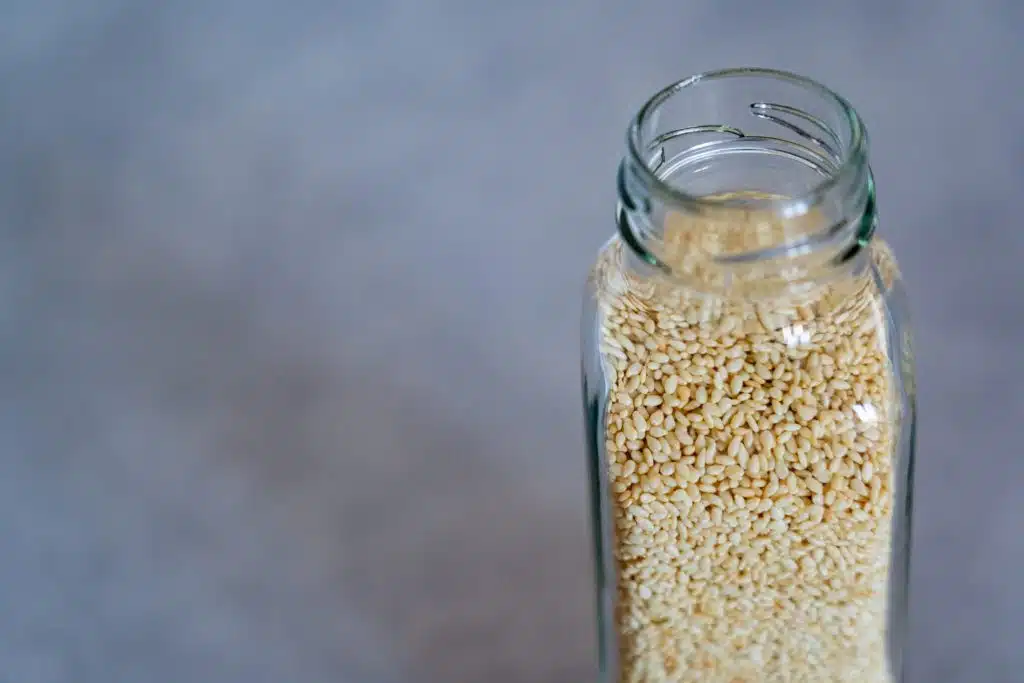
[
  {"x": 899, "y": 344},
  {"x": 595, "y": 392}
]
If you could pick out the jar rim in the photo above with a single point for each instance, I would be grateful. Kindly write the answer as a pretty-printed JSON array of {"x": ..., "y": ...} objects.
[{"x": 850, "y": 161}]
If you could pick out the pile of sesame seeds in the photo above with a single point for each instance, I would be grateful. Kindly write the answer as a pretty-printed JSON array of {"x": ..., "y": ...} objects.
[{"x": 750, "y": 461}]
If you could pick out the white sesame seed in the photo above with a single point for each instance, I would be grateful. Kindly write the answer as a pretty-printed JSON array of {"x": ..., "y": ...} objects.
[
  {"x": 679, "y": 496},
  {"x": 742, "y": 458},
  {"x": 754, "y": 466}
]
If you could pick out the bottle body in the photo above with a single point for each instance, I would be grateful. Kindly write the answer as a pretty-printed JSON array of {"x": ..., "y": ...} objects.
[{"x": 750, "y": 428}]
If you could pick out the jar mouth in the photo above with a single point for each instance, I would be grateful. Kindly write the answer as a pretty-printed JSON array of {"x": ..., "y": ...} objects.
[
  {"x": 845, "y": 148},
  {"x": 724, "y": 146}
]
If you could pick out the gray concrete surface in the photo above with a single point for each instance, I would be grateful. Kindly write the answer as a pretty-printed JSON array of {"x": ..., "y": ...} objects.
[{"x": 288, "y": 338}]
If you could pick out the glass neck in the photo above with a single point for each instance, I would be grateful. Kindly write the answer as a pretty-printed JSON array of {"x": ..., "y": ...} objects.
[{"x": 746, "y": 183}]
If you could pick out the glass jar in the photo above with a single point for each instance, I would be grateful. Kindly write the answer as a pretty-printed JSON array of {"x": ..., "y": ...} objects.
[{"x": 749, "y": 397}]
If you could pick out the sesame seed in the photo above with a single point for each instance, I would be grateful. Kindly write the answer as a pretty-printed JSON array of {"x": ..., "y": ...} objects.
[
  {"x": 680, "y": 496},
  {"x": 754, "y": 466}
]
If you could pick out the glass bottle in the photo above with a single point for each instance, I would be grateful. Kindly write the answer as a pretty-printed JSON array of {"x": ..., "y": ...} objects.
[{"x": 749, "y": 399}]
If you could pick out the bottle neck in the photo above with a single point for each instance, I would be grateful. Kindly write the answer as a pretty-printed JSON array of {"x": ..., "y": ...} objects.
[{"x": 774, "y": 196}]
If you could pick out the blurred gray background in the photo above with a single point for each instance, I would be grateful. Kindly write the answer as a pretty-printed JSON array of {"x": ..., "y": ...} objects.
[{"x": 288, "y": 322}]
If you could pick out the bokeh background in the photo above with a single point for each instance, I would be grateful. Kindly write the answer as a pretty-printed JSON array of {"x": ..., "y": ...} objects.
[{"x": 289, "y": 302}]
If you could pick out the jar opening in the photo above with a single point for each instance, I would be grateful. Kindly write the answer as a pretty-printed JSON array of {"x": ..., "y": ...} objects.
[
  {"x": 746, "y": 130},
  {"x": 742, "y": 166}
]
